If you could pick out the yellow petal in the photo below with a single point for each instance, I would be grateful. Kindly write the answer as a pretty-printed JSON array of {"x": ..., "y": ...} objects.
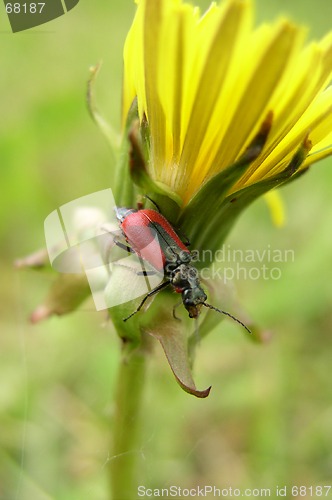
[
  {"x": 276, "y": 206},
  {"x": 205, "y": 85}
]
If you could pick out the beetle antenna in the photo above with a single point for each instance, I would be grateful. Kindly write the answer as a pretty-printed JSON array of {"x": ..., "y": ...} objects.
[{"x": 226, "y": 314}]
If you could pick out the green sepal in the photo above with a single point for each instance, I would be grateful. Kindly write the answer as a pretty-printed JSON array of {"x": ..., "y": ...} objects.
[
  {"x": 65, "y": 295},
  {"x": 156, "y": 319},
  {"x": 138, "y": 136},
  {"x": 129, "y": 331},
  {"x": 209, "y": 223},
  {"x": 124, "y": 189},
  {"x": 126, "y": 286},
  {"x": 173, "y": 337},
  {"x": 202, "y": 210},
  {"x": 38, "y": 260}
]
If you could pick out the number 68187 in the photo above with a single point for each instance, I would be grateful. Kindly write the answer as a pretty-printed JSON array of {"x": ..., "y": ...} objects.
[{"x": 25, "y": 8}]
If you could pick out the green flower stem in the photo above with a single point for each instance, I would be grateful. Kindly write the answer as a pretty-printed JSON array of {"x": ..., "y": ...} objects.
[{"x": 125, "y": 431}]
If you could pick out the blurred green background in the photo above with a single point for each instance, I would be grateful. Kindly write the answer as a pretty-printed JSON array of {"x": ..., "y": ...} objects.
[{"x": 268, "y": 420}]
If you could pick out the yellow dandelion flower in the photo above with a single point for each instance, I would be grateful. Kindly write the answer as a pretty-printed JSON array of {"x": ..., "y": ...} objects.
[
  {"x": 205, "y": 84},
  {"x": 217, "y": 112}
]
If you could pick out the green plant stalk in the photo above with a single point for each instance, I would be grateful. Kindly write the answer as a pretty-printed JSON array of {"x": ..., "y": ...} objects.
[{"x": 126, "y": 425}]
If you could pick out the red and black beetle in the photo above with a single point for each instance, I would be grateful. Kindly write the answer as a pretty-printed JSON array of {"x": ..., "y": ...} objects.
[{"x": 153, "y": 239}]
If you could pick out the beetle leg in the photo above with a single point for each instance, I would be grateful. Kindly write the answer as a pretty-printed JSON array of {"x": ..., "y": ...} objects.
[
  {"x": 153, "y": 292},
  {"x": 123, "y": 245},
  {"x": 146, "y": 273}
]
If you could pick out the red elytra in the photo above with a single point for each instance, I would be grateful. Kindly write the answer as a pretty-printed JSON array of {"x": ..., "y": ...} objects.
[
  {"x": 153, "y": 239},
  {"x": 151, "y": 236}
]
